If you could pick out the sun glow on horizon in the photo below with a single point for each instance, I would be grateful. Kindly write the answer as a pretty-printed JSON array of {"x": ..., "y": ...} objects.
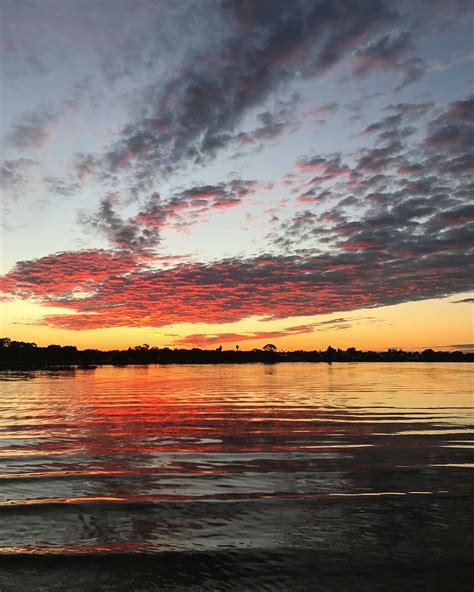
[{"x": 440, "y": 323}]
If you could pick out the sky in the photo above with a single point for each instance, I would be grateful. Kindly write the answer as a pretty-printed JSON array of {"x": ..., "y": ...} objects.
[{"x": 237, "y": 172}]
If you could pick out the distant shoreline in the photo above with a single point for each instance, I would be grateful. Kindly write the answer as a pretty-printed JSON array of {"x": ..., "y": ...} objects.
[{"x": 18, "y": 355}]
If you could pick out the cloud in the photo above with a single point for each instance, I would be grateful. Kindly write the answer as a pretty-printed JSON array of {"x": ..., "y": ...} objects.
[
  {"x": 61, "y": 186},
  {"x": 84, "y": 166},
  {"x": 388, "y": 52},
  {"x": 34, "y": 130},
  {"x": 187, "y": 119},
  {"x": 232, "y": 289},
  {"x": 123, "y": 234},
  {"x": 411, "y": 70},
  {"x": 453, "y": 131},
  {"x": 382, "y": 238},
  {"x": 456, "y": 60},
  {"x": 273, "y": 124},
  {"x": 384, "y": 52},
  {"x": 395, "y": 199},
  {"x": 68, "y": 272},
  {"x": 318, "y": 113},
  {"x": 144, "y": 229},
  {"x": 14, "y": 174},
  {"x": 325, "y": 168},
  {"x": 458, "y": 346},
  {"x": 411, "y": 111},
  {"x": 206, "y": 339},
  {"x": 464, "y": 301},
  {"x": 57, "y": 38}
]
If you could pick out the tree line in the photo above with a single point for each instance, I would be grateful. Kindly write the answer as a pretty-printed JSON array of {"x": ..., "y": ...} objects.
[{"x": 27, "y": 355}]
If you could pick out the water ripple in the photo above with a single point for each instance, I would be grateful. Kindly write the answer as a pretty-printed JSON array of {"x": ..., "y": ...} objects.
[{"x": 298, "y": 463}]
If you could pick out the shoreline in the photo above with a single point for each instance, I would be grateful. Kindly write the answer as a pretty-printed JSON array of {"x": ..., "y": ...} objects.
[
  {"x": 19, "y": 355},
  {"x": 76, "y": 366}
]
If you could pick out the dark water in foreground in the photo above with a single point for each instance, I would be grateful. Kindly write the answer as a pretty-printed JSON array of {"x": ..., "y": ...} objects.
[{"x": 254, "y": 477}]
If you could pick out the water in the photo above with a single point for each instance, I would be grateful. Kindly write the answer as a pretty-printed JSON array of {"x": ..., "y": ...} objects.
[{"x": 252, "y": 477}]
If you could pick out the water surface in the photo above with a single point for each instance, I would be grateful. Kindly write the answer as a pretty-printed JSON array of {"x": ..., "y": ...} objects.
[{"x": 237, "y": 477}]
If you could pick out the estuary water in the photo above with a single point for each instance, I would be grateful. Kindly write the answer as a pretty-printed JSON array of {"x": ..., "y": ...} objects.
[{"x": 238, "y": 477}]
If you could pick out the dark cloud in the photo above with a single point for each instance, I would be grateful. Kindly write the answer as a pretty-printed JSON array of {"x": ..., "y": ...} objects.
[
  {"x": 124, "y": 234},
  {"x": 382, "y": 53},
  {"x": 258, "y": 50},
  {"x": 411, "y": 111},
  {"x": 463, "y": 301},
  {"x": 389, "y": 52},
  {"x": 143, "y": 230},
  {"x": 281, "y": 120},
  {"x": 411, "y": 70},
  {"x": 326, "y": 168},
  {"x": 408, "y": 204},
  {"x": 453, "y": 131},
  {"x": 387, "y": 124},
  {"x": 463, "y": 111}
]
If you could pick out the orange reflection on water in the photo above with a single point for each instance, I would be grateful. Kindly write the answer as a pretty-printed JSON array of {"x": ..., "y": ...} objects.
[{"x": 108, "y": 451}]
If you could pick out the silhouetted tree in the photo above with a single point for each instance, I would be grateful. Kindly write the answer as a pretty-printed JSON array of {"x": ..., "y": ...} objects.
[
  {"x": 270, "y": 347},
  {"x": 330, "y": 353},
  {"x": 19, "y": 354}
]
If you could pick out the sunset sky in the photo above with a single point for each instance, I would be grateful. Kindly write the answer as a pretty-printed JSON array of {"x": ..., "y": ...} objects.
[{"x": 231, "y": 172}]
